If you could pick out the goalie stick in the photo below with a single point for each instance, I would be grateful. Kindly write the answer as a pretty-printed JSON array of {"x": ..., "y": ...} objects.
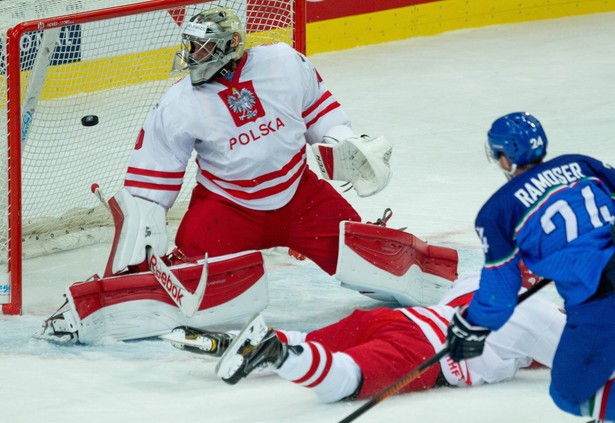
[
  {"x": 188, "y": 302},
  {"x": 416, "y": 372}
]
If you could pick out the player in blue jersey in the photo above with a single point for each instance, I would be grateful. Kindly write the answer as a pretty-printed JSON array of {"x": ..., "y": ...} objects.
[{"x": 557, "y": 216}]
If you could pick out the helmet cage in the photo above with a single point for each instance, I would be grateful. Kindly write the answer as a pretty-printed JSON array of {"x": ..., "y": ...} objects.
[
  {"x": 206, "y": 47},
  {"x": 493, "y": 156}
]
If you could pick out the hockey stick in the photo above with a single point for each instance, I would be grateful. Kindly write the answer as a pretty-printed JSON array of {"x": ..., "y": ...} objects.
[
  {"x": 43, "y": 59},
  {"x": 95, "y": 188},
  {"x": 185, "y": 300},
  {"x": 413, "y": 374}
]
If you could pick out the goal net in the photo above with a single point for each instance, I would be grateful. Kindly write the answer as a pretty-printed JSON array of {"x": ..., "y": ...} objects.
[{"x": 62, "y": 60}]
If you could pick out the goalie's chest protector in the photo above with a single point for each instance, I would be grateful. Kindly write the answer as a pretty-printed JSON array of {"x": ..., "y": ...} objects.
[{"x": 252, "y": 142}]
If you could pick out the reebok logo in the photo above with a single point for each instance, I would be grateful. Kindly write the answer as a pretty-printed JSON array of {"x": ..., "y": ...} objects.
[{"x": 166, "y": 281}]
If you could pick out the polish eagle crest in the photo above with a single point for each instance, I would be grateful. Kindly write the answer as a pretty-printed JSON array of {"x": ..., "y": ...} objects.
[{"x": 242, "y": 102}]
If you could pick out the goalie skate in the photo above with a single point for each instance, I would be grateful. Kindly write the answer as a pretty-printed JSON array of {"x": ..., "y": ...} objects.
[
  {"x": 199, "y": 341},
  {"x": 60, "y": 328},
  {"x": 256, "y": 346}
]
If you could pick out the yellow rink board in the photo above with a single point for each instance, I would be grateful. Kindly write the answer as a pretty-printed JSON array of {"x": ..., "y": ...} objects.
[{"x": 437, "y": 17}]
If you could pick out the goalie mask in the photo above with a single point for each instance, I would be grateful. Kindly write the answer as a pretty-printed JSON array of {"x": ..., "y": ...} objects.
[{"x": 206, "y": 49}]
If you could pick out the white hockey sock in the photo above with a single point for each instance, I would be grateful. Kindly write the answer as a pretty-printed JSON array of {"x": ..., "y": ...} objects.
[
  {"x": 332, "y": 376},
  {"x": 291, "y": 337}
]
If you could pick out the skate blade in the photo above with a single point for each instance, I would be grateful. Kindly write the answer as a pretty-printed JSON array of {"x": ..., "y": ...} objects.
[
  {"x": 253, "y": 332},
  {"x": 200, "y": 344}
]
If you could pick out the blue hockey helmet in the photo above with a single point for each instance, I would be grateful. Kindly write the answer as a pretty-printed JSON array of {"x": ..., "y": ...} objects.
[{"x": 519, "y": 136}]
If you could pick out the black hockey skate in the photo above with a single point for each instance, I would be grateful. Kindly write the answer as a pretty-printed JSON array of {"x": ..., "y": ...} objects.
[
  {"x": 199, "y": 341},
  {"x": 256, "y": 346}
]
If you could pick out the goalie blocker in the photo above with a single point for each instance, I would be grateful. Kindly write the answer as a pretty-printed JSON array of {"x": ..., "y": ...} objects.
[{"x": 135, "y": 305}]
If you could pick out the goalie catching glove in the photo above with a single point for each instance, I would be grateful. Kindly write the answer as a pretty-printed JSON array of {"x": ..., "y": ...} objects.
[
  {"x": 138, "y": 223},
  {"x": 360, "y": 160}
]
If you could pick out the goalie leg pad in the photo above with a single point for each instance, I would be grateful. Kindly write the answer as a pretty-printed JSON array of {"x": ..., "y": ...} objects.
[
  {"x": 135, "y": 306},
  {"x": 391, "y": 265}
]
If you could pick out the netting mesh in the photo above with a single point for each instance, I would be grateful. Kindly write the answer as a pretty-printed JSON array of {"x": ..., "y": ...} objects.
[{"x": 113, "y": 68}]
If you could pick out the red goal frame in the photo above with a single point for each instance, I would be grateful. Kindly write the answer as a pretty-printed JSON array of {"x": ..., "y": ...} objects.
[{"x": 14, "y": 88}]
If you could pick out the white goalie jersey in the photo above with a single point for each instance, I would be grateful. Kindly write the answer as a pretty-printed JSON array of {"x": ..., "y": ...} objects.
[{"x": 249, "y": 131}]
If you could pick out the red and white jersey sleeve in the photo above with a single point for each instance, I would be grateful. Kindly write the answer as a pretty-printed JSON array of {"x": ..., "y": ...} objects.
[
  {"x": 532, "y": 333},
  {"x": 434, "y": 322},
  {"x": 249, "y": 132}
]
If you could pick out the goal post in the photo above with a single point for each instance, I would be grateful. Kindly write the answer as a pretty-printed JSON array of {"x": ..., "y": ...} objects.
[{"x": 62, "y": 60}]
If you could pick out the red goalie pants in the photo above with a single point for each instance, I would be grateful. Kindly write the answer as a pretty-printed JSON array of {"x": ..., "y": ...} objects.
[
  {"x": 309, "y": 224},
  {"x": 385, "y": 344}
]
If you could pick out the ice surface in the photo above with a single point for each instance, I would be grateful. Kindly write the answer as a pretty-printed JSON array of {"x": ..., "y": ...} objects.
[{"x": 435, "y": 98}]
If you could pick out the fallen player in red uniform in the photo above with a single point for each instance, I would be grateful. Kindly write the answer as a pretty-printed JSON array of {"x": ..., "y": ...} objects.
[{"x": 369, "y": 350}]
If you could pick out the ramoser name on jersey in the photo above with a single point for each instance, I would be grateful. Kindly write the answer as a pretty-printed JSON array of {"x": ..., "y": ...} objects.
[{"x": 538, "y": 184}]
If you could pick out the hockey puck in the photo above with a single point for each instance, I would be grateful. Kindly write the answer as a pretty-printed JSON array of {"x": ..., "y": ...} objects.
[{"x": 89, "y": 120}]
